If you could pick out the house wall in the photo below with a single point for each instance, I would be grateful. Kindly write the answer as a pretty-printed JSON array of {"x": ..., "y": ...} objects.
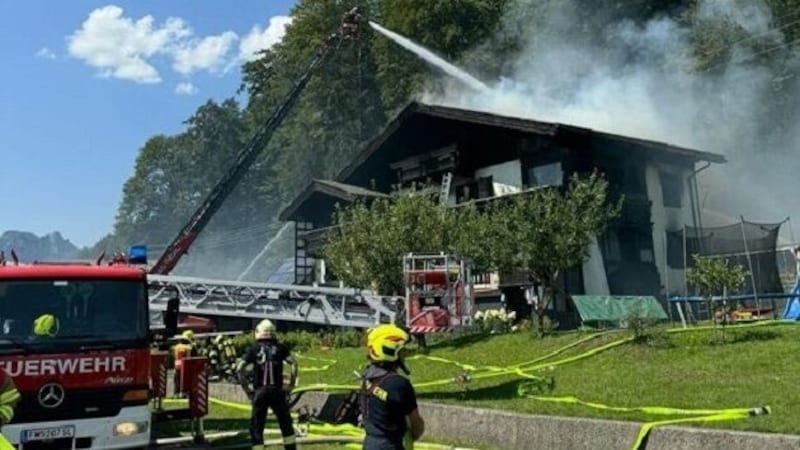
[
  {"x": 506, "y": 177},
  {"x": 595, "y": 280},
  {"x": 667, "y": 217}
]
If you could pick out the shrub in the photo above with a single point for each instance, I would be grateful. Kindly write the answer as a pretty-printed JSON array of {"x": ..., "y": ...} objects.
[
  {"x": 645, "y": 330},
  {"x": 495, "y": 321},
  {"x": 543, "y": 326},
  {"x": 342, "y": 338}
]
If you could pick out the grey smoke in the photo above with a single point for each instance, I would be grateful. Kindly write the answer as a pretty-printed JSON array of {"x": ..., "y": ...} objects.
[{"x": 639, "y": 79}]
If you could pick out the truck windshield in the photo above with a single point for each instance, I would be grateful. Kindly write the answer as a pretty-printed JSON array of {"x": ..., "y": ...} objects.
[{"x": 85, "y": 310}]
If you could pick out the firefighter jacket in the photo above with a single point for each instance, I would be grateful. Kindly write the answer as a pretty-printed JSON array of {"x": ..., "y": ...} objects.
[
  {"x": 181, "y": 350},
  {"x": 9, "y": 396}
]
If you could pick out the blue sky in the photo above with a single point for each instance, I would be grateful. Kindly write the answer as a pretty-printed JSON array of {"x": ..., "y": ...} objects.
[{"x": 85, "y": 83}]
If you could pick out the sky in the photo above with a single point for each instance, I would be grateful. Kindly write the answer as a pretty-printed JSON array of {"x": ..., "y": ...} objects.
[{"x": 83, "y": 84}]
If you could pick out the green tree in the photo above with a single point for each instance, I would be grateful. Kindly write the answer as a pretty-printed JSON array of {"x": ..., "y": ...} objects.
[
  {"x": 173, "y": 174},
  {"x": 715, "y": 279},
  {"x": 548, "y": 231},
  {"x": 365, "y": 249},
  {"x": 338, "y": 110}
]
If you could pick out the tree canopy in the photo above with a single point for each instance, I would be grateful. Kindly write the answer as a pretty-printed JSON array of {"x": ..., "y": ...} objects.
[
  {"x": 349, "y": 99},
  {"x": 366, "y": 248},
  {"x": 544, "y": 232}
]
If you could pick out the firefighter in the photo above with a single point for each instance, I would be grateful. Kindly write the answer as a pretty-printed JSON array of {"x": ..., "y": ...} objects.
[
  {"x": 183, "y": 349},
  {"x": 389, "y": 411},
  {"x": 267, "y": 356},
  {"x": 9, "y": 396},
  {"x": 227, "y": 352},
  {"x": 209, "y": 351},
  {"x": 350, "y": 24}
]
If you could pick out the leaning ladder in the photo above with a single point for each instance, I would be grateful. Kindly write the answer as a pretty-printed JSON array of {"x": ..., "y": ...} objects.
[{"x": 444, "y": 195}]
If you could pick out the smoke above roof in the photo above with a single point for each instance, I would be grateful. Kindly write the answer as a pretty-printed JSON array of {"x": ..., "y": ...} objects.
[{"x": 641, "y": 78}]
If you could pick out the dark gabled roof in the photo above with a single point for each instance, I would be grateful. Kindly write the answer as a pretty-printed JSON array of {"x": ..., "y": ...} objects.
[
  {"x": 511, "y": 123},
  {"x": 345, "y": 191},
  {"x": 342, "y": 191}
]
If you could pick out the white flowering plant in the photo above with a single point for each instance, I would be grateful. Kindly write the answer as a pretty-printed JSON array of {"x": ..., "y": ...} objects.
[{"x": 495, "y": 321}]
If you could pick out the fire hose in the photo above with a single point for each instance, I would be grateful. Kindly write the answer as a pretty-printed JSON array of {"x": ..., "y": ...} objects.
[
  {"x": 532, "y": 386},
  {"x": 309, "y": 433}
]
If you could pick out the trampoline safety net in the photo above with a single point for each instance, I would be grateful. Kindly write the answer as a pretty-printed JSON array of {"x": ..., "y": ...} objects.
[{"x": 749, "y": 244}]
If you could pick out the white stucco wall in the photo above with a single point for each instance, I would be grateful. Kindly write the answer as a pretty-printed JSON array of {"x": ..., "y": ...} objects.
[
  {"x": 667, "y": 218},
  {"x": 595, "y": 280},
  {"x": 506, "y": 177}
]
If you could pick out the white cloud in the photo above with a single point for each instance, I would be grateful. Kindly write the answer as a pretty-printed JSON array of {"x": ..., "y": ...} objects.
[
  {"x": 120, "y": 47},
  {"x": 128, "y": 48},
  {"x": 185, "y": 88},
  {"x": 204, "y": 54},
  {"x": 259, "y": 39},
  {"x": 45, "y": 53}
]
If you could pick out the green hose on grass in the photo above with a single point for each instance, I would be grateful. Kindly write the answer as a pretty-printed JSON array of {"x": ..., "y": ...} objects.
[{"x": 531, "y": 383}]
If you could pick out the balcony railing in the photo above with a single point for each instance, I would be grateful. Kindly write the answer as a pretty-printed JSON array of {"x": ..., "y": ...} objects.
[{"x": 315, "y": 239}]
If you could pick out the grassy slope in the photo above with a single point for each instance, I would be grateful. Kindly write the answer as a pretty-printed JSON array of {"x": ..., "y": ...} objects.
[{"x": 759, "y": 369}]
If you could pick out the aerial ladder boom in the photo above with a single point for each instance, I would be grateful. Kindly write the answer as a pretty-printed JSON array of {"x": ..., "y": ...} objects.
[{"x": 180, "y": 245}]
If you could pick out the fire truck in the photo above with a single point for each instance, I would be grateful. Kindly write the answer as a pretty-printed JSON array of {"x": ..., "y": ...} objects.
[
  {"x": 439, "y": 295},
  {"x": 85, "y": 380}
]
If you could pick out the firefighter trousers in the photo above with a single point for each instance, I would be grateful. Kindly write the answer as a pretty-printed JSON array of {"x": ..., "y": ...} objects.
[
  {"x": 178, "y": 382},
  {"x": 266, "y": 398}
]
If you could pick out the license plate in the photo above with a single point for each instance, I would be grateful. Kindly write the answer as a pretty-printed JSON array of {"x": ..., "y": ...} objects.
[{"x": 46, "y": 434}]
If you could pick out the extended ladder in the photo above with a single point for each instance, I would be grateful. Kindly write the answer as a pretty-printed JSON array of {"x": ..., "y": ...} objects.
[
  {"x": 444, "y": 194},
  {"x": 317, "y": 305}
]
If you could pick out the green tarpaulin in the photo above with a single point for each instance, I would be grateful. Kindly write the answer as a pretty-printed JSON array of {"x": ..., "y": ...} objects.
[{"x": 615, "y": 308}]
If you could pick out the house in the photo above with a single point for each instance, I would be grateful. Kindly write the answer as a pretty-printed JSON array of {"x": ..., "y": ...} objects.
[{"x": 488, "y": 155}]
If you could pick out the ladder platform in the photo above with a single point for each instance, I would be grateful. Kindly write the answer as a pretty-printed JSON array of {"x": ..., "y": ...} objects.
[{"x": 320, "y": 305}]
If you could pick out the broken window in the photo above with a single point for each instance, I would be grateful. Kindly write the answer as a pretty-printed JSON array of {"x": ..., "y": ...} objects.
[
  {"x": 671, "y": 189},
  {"x": 546, "y": 175}
]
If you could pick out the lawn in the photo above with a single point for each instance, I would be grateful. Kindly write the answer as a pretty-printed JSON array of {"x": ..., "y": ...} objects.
[
  {"x": 224, "y": 419},
  {"x": 693, "y": 370},
  {"x": 755, "y": 366}
]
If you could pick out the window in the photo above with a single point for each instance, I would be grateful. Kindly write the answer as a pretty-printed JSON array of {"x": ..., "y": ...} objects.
[
  {"x": 629, "y": 244},
  {"x": 611, "y": 247},
  {"x": 86, "y": 309},
  {"x": 477, "y": 189},
  {"x": 671, "y": 189},
  {"x": 546, "y": 175}
]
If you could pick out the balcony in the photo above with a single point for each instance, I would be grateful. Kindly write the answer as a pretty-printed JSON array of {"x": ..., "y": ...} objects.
[{"x": 315, "y": 239}]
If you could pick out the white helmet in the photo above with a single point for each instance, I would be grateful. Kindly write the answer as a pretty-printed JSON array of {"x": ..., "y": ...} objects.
[{"x": 265, "y": 329}]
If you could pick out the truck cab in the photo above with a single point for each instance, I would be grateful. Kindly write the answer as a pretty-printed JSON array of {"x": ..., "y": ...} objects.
[{"x": 83, "y": 372}]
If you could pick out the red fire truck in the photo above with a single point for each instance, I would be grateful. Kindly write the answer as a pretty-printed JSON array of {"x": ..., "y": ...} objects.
[
  {"x": 85, "y": 380},
  {"x": 86, "y": 384},
  {"x": 438, "y": 292}
]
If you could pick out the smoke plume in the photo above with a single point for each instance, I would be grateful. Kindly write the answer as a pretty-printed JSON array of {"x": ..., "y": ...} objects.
[{"x": 641, "y": 78}]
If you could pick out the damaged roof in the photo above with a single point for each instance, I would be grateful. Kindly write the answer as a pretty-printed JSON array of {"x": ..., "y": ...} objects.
[{"x": 512, "y": 123}]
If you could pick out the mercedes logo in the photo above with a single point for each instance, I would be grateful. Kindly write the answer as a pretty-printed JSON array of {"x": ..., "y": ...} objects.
[{"x": 51, "y": 395}]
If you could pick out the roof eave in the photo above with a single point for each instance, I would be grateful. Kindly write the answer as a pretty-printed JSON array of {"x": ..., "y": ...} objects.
[
  {"x": 320, "y": 186},
  {"x": 377, "y": 141}
]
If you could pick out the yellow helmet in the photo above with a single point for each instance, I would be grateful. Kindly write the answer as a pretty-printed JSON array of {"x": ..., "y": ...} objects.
[
  {"x": 45, "y": 325},
  {"x": 384, "y": 342},
  {"x": 188, "y": 335},
  {"x": 265, "y": 329}
]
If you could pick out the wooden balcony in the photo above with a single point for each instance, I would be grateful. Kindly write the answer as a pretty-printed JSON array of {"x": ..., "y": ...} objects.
[{"x": 315, "y": 239}]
